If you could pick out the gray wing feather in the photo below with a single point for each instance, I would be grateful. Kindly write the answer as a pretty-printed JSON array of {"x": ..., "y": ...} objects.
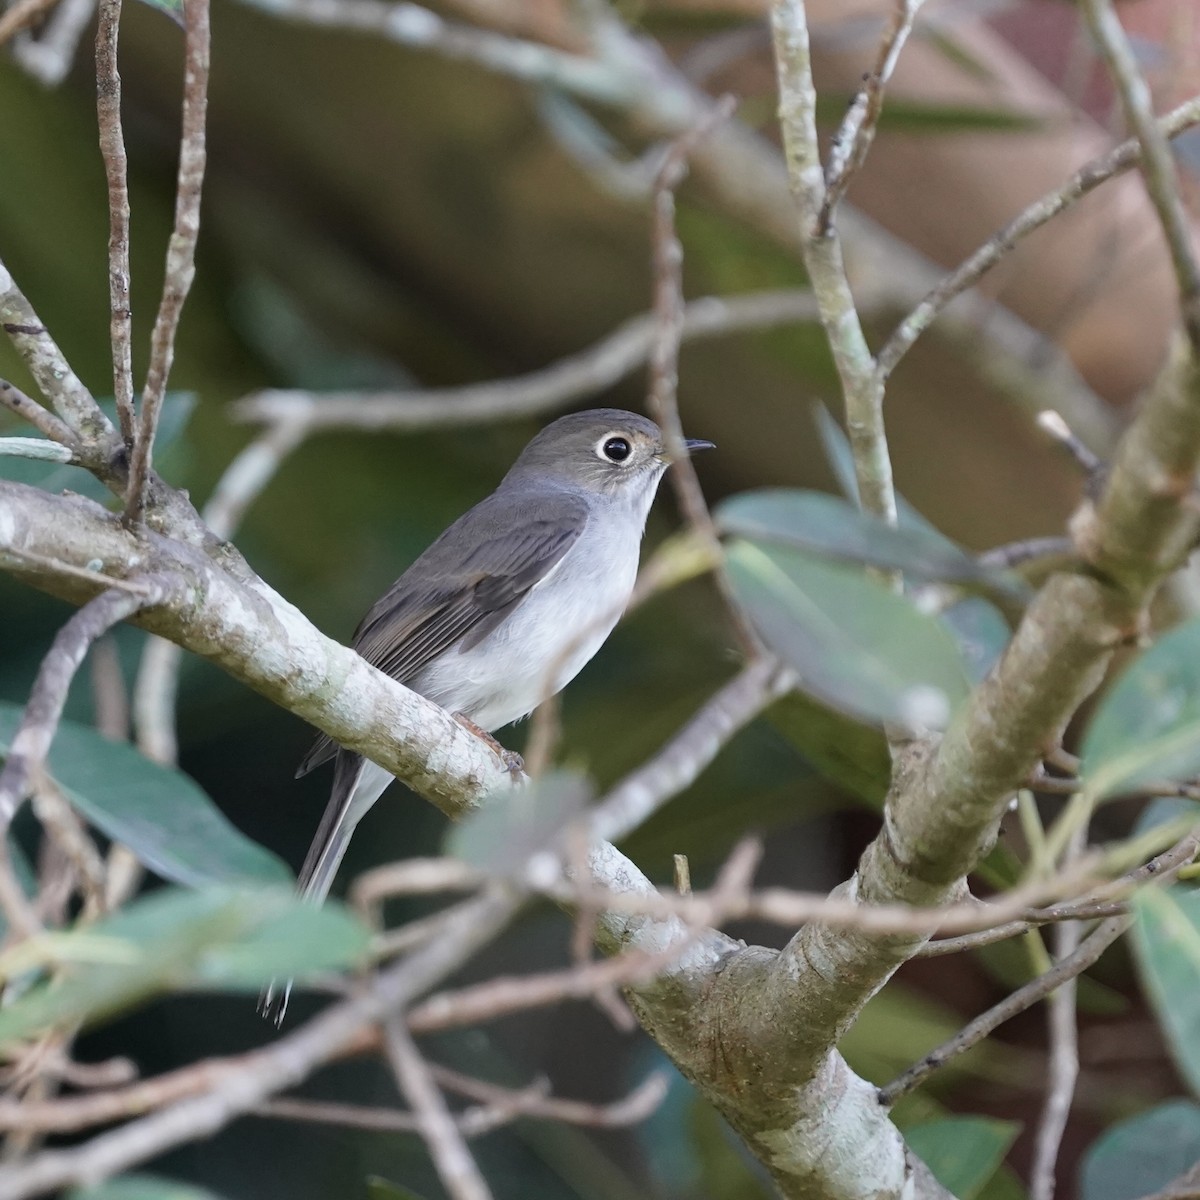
[{"x": 517, "y": 538}]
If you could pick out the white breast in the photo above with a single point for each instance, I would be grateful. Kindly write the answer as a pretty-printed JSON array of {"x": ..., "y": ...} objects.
[{"x": 551, "y": 634}]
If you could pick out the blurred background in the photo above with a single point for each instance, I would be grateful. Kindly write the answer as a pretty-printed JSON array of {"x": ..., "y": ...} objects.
[{"x": 376, "y": 217}]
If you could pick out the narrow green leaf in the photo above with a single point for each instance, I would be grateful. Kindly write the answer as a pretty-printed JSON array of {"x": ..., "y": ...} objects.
[
  {"x": 853, "y": 643},
  {"x": 915, "y": 117},
  {"x": 173, "y": 939},
  {"x": 1142, "y": 1154},
  {"x": 379, "y": 1188},
  {"x": 516, "y": 822},
  {"x": 841, "y": 461},
  {"x": 981, "y": 633},
  {"x": 172, "y": 8},
  {"x": 141, "y": 1187},
  {"x": 158, "y": 812},
  {"x": 1166, "y": 938},
  {"x": 963, "y": 1152},
  {"x": 827, "y": 525},
  {"x": 1147, "y": 727}
]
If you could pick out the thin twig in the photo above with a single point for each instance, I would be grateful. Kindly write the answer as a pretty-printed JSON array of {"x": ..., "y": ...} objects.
[
  {"x": 73, "y": 403},
  {"x": 969, "y": 272},
  {"x": 112, "y": 150},
  {"x": 822, "y": 252},
  {"x": 1064, "y": 1056},
  {"x": 411, "y": 25},
  {"x": 1088, "y": 953},
  {"x": 110, "y": 699},
  {"x": 663, "y": 397},
  {"x": 457, "y": 1169},
  {"x": 31, "y": 742},
  {"x": 849, "y": 146},
  {"x": 592, "y": 370},
  {"x": 632, "y": 801},
  {"x": 181, "y": 250},
  {"x": 22, "y": 14},
  {"x": 49, "y": 56},
  {"x": 40, "y": 418},
  {"x": 1157, "y": 164}
]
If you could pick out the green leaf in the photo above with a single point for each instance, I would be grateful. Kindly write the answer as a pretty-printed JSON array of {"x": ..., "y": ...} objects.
[
  {"x": 963, "y": 1152},
  {"x": 1166, "y": 937},
  {"x": 915, "y": 117},
  {"x": 379, "y": 1188},
  {"x": 216, "y": 938},
  {"x": 1142, "y": 1154},
  {"x": 54, "y": 477},
  {"x": 172, "y": 8},
  {"x": 827, "y": 525},
  {"x": 158, "y": 812},
  {"x": 1147, "y": 727},
  {"x": 853, "y": 643},
  {"x": 516, "y": 822},
  {"x": 981, "y": 633},
  {"x": 141, "y": 1187},
  {"x": 841, "y": 461}
]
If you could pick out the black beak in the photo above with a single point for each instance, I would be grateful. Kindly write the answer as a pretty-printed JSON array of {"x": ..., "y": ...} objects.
[{"x": 694, "y": 444}]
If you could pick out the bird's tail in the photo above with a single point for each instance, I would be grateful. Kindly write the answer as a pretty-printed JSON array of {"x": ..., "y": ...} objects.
[{"x": 357, "y": 784}]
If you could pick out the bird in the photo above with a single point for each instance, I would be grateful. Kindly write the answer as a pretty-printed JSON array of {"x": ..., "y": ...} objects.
[{"x": 504, "y": 608}]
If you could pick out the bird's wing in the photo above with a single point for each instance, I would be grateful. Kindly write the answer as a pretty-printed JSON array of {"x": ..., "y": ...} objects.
[{"x": 447, "y": 596}]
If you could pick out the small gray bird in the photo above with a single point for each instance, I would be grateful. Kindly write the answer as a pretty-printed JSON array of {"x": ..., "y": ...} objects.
[{"x": 507, "y": 606}]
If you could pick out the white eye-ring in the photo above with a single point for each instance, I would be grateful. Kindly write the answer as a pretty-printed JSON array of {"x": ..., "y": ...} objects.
[{"x": 614, "y": 448}]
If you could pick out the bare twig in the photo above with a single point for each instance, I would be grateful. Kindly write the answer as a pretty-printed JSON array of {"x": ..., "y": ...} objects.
[
  {"x": 411, "y": 25},
  {"x": 59, "y": 384},
  {"x": 534, "y": 1101},
  {"x": 40, "y": 418},
  {"x": 822, "y": 252},
  {"x": 583, "y": 374},
  {"x": 110, "y": 700},
  {"x": 112, "y": 150},
  {"x": 974, "y": 267},
  {"x": 849, "y": 146},
  {"x": 49, "y": 56},
  {"x": 1088, "y": 953},
  {"x": 181, "y": 250},
  {"x": 458, "y": 1171},
  {"x": 1158, "y": 167},
  {"x": 632, "y": 801},
  {"x": 21, "y": 15},
  {"x": 1053, "y": 424},
  {"x": 1064, "y": 1056},
  {"x": 32, "y": 740}
]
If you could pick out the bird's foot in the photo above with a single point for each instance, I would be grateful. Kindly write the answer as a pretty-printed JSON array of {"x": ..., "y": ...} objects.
[{"x": 514, "y": 764}]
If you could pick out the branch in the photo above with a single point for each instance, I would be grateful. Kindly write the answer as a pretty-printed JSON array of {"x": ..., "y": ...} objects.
[
  {"x": 457, "y": 1170},
  {"x": 411, "y": 25},
  {"x": 181, "y": 250},
  {"x": 60, "y": 385},
  {"x": 116, "y": 168},
  {"x": 1158, "y": 167},
  {"x": 849, "y": 146},
  {"x": 1087, "y": 955},
  {"x": 973, "y": 268},
  {"x": 822, "y": 252},
  {"x": 572, "y": 378}
]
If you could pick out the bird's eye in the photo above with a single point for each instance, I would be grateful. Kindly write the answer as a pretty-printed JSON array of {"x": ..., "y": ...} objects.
[{"x": 616, "y": 449}]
